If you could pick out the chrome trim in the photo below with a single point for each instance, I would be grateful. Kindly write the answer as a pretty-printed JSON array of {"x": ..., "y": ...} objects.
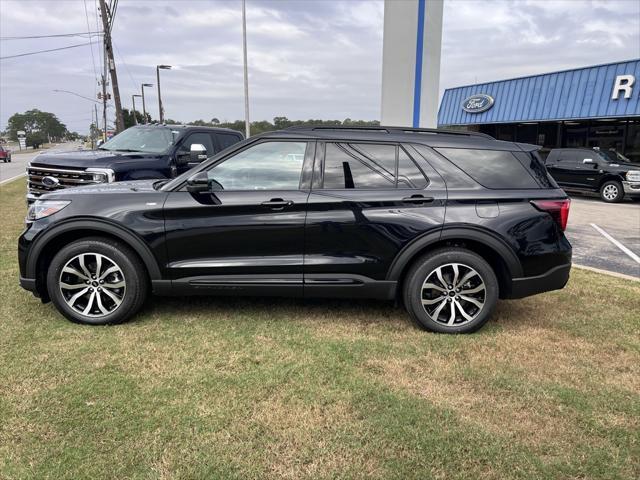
[{"x": 631, "y": 187}]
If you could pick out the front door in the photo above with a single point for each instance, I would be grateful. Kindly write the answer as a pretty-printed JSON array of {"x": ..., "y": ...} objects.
[
  {"x": 248, "y": 233},
  {"x": 368, "y": 201}
]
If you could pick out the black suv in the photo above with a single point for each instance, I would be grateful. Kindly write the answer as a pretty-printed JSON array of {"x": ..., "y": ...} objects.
[
  {"x": 607, "y": 172},
  {"x": 447, "y": 222},
  {"x": 142, "y": 152}
]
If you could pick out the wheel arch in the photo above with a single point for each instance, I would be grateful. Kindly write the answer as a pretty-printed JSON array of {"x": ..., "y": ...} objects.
[
  {"x": 608, "y": 177},
  {"x": 494, "y": 250},
  {"x": 45, "y": 247}
]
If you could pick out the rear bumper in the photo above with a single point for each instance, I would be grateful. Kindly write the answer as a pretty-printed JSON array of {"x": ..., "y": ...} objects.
[{"x": 554, "y": 279}]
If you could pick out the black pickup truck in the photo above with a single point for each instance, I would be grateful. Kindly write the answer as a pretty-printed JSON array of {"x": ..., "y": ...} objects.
[
  {"x": 141, "y": 152},
  {"x": 589, "y": 170}
]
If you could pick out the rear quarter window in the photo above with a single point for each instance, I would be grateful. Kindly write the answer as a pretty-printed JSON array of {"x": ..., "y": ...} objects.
[{"x": 491, "y": 168}]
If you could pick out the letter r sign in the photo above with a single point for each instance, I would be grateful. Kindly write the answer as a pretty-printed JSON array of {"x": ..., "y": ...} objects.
[{"x": 624, "y": 83}]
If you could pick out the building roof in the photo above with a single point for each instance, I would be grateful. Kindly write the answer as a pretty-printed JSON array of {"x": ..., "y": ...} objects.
[{"x": 581, "y": 93}]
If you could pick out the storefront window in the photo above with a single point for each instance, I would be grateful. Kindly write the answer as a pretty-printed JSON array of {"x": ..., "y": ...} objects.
[
  {"x": 575, "y": 134},
  {"x": 632, "y": 148}
]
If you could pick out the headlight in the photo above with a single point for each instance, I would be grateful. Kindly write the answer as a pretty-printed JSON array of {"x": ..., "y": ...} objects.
[
  {"x": 633, "y": 175},
  {"x": 102, "y": 175},
  {"x": 44, "y": 208}
]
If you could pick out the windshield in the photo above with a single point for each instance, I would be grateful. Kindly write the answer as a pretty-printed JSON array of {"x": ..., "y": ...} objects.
[{"x": 141, "y": 139}]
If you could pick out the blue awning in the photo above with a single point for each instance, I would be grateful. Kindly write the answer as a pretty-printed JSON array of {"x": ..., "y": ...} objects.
[{"x": 581, "y": 93}]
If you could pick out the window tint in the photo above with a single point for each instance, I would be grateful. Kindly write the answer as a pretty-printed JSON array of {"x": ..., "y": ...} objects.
[
  {"x": 409, "y": 175},
  {"x": 359, "y": 166},
  {"x": 202, "y": 139},
  {"x": 265, "y": 166},
  {"x": 491, "y": 168},
  {"x": 226, "y": 140}
]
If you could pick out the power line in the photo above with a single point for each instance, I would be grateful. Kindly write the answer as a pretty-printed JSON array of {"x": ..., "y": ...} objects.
[
  {"x": 133, "y": 81},
  {"x": 45, "y": 51},
  {"x": 93, "y": 58},
  {"x": 59, "y": 35}
]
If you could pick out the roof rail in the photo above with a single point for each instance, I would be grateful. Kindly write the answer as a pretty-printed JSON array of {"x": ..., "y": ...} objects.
[{"x": 385, "y": 129}]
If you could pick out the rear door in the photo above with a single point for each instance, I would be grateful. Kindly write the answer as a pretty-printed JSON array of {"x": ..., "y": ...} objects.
[
  {"x": 574, "y": 172},
  {"x": 368, "y": 201}
]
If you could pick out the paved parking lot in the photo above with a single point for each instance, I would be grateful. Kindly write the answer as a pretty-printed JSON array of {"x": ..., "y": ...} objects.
[{"x": 605, "y": 236}]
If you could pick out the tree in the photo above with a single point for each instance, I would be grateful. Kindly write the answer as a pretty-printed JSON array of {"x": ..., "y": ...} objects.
[
  {"x": 215, "y": 121},
  {"x": 32, "y": 121},
  {"x": 36, "y": 139},
  {"x": 130, "y": 121}
]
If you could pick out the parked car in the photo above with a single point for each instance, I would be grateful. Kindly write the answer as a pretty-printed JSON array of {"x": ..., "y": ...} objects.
[
  {"x": 445, "y": 221},
  {"x": 141, "y": 152},
  {"x": 5, "y": 154},
  {"x": 589, "y": 170}
]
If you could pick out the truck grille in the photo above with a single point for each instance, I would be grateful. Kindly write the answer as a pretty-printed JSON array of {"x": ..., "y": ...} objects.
[{"x": 66, "y": 178}]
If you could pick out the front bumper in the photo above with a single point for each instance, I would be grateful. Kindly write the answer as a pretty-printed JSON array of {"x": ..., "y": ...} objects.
[
  {"x": 554, "y": 279},
  {"x": 631, "y": 188}
]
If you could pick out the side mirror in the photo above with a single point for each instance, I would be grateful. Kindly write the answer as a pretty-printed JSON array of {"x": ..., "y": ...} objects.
[
  {"x": 197, "y": 153},
  {"x": 198, "y": 183}
]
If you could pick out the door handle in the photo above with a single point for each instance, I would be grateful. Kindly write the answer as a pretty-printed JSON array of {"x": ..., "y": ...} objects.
[
  {"x": 277, "y": 203},
  {"x": 419, "y": 199}
]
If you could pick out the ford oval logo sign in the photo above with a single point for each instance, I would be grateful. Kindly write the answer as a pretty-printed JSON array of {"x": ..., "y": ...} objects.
[
  {"x": 50, "y": 182},
  {"x": 477, "y": 103}
]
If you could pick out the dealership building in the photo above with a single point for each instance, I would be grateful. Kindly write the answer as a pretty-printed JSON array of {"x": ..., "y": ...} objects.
[{"x": 597, "y": 106}]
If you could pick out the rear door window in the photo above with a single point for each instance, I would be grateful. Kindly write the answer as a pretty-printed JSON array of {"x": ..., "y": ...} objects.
[
  {"x": 226, "y": 139},
  {"x": 359, "y": 166},
  {"x": 491, "y": 168}
]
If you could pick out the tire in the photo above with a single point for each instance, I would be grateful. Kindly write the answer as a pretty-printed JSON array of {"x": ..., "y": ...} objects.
[
  {"x": 435, "y": 315},
  {"x": 611, "y": 191},
  {"x": 100, "y": 304}
]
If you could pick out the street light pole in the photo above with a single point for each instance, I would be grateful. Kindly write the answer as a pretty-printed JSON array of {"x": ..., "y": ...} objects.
[
  {"x": 160, "y": 108},
  {"x": 247, "y": 124},
  {"x": 133, "y": 101},
  {"x": 144, "y": 108}
]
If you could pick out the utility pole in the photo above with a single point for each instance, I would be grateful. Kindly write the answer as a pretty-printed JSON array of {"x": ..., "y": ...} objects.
[
  {"x": 95, "y": 129},
  {"x": 107, "y": 24},
  {"x": 247, "y": 124},
  {"x": 104, "y": 108}
]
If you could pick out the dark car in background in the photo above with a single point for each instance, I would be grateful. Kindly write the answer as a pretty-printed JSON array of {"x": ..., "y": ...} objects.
[
  {"x": 606, "y": 172},
  {"x": 141, "y": 152},
  {"x": 5, "y": 154},
  {"x": 446, "y": 222}
]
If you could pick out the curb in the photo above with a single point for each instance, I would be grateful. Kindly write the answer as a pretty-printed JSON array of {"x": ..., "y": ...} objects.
[
  {"x": 607, "y": 272},
  {"x": 12, "y": 178}
]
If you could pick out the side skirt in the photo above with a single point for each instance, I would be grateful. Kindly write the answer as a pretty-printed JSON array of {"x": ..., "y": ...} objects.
[{"x": 313, "y": 286}]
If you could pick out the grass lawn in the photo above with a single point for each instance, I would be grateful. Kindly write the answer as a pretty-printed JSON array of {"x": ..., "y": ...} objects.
[{"x": 253, "y": 388}]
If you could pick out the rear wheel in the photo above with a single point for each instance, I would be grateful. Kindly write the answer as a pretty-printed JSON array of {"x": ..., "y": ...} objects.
[
  {"x": 611, "y": 191},
  {"x": 451, "y": 290},
  {"x": 97, "y": 281}
]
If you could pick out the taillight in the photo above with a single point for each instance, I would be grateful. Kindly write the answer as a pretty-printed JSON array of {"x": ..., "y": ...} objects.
[{"x": 558, "y": 209}]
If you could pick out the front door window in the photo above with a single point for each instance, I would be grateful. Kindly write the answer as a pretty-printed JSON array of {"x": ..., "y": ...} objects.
[{"x": 265, "y": 166}]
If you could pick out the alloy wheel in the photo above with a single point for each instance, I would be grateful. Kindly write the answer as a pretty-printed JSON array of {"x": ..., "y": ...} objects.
[
  {"x": 610, "y": 192},
  {"x": 453, "y": 294},
  {"x": 92, "y": 284}
]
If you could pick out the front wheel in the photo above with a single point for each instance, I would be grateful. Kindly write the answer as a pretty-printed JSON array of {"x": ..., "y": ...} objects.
[
  {"x": 97, "y": 281},
  {"x": 611, "y": 191},
  {"x": 451, "y": 290}
]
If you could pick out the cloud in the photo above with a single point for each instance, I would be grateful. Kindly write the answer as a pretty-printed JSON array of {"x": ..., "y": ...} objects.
[{"x": 307, "y": 59}]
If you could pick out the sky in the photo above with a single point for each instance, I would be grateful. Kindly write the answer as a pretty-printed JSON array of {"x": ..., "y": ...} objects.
[{"x": 307, "y": 58}]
